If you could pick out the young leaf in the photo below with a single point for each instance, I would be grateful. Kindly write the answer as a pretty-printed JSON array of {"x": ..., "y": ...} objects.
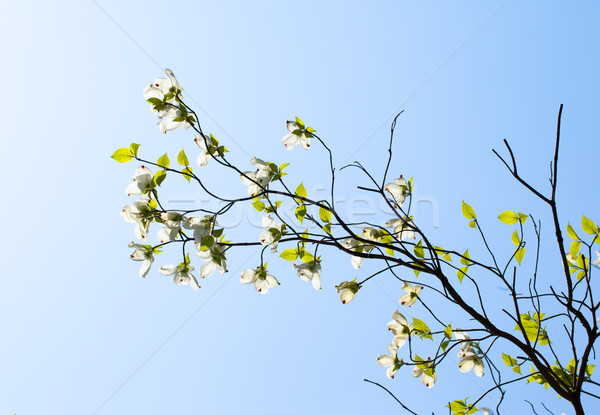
[
  {"x": 519, "y": 254},
  {"x": 448, "y": 331},
  {"x": 259, "y": 205},
  {"x": 300, "y": 213},
  {"x": 575, "y": 247},
  {"x": 419, "y": 251},
  {"x": 522, "y": 217},
  {"x": 509, "y": 360},
  {"x": 571, "y": 232},
  {"x": 159, "y": 177},
  {"x": 509, "y": 217},
  {"x": 465, "y": 259},
  {"x": 122, "y": 155},
  {"x": 163, "y": 161},
  {"x": 515, "y": 238},
  {"x": 182, "y": 158},
  {"x": 300, "y": 191},
  {"x": 327, "y": 229},
  {"x": 468, "y": 211},
  {"x": 289, "y": 254},
  {"x": 206, "y": 242},
  {"x": 133, "y": 148},
  {"x": 461, "y": 273},
  {"x": 588, "y": 226},
  {"x": 187, "y": 173},
  {"x": 325, "y": 215}
]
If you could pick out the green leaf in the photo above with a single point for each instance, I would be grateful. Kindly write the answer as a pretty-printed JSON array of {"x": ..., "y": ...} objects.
[
  {"x": 300, "y": 191},
  {"x": 163, "y": 161},
  {"x": 519, "y": 254},
  {"x": 122, "y": 155},
  {"x": 575, "y": 247},
  {"x": 206, "y": 242},
  {"x": 311, "y": 130},
  {"x": 289, "y": 254},
  {"x": 457, "y": 407},
  {"x": 448, "y": 331},
  {"x": 597, "y": 239},
  {"x": 420, "y": 326},
  {"x": 259, "y": 205},
  {"x": 515, "y": 238},
  {"x": 300, "y": 213},
  {"x": 473, "y": 224},
  {"x": 444, "y": 345},
  {"x": 327, "y": 229},
  {"x": 468, "y": 211},
  {"x": 509, "y": 360},
  {"x": 517, "y": 369},
  {"x": 419, "y": 251},
  {"x": 133, "y": 148},
  {"x": 299, "y": 122},
  {"x": 580, "y": 275},
  {"x": 447, "y": 257},
  {"x": 589, "y": 370},
  {"x": 461, "y": 273},
  {"x": 325, "y": 215},
  {"x": 182, "y": 158},
  {"x": 159, "y": 177},
  {"x": 305, "y": 256},
  {"x": 522, "y": 217},
  {"x": 465, "y": 259},
  {"x": 187, "y": 173},
  {"x": 588, "y": 226},
  {"x": 509, "y": 217},
  {"x": 153, "y": 204},
  {"x": 571, "y": 232},
  {"x": 217, "y": 233}
]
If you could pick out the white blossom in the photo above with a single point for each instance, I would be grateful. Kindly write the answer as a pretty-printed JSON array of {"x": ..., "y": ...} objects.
[
  {"x": 182, "y": 274},
  {"x": 141, "y": 214},
  {"x": 142, "y": 182},
  {"x": 348, "y": 290},
  {"x": 297, "y": 135},
  {"x": 401, "y": 329},
  {"x": 427, "y": 379},
  {"x": 143, "y": 253},
  {"x": 390, "y": 361},
  {"x": 161, "y": 94},
  {"x": 259, "y": 277},
  {"x": 272, "y": 233},
  {"x": 597, "y": 261},
  {"x": 214, "y": 260},
  {"x": 403, "y": 229},
  {"x": 207, "y": 152},
  {"x": 410, "y": 298},
  {"x": 398, "y": 190},
  {"x": 309, "y": 271},
  {"x": 259, "y": 179}
]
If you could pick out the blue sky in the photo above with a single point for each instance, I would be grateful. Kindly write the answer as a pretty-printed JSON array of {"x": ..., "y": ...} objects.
[{"x": 83, "y": 334}]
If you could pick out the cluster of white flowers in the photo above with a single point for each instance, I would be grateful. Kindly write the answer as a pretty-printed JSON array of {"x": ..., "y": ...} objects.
[{"x": 163, "y": 95}]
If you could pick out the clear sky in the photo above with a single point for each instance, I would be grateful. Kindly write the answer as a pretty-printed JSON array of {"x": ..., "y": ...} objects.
[{"x": 83, "y": 334}]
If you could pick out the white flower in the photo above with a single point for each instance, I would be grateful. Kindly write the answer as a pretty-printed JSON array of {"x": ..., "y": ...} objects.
[
  {"x": 401, "y": 329},
  {"x": 207, "y": 152},
  {"x": 182, "y": 274},
  {"x": 390, "y": 361},
  {"x": 201, "y": 227},
  {"x": 214, "y": 260},
  {"x": 597, "y": 261},
  {"x": 487, "y": 411},
  {"x": 143, "y": 253},
  {"x": 402, "y": 228},
  {"x": 171, "y": 228},
  {"x": 410, "y": 298},
  {"x": 371, "y": 234},
  {"x": 348, "y": 290},
  {"x": 309, "y": 271},
  {"x": 469, "y": 359},
  {"x": 141, "y": 214},
  {"x": 354, "y": 245},
  {"x": 161, "y": 95},
  {"x": 297, "y": 135},
  {"x": 272, "y": 233},
  {"x": 259, "y": 179},
  {"x": 142, "y": 182},
  {"x": 428, "y": 379},
  {"x": 262, "y": 281},
  {"x": 397, "y": 190}
]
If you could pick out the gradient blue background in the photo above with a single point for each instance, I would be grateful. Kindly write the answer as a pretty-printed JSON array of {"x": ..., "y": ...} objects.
[{"x": 83, "y": 334}]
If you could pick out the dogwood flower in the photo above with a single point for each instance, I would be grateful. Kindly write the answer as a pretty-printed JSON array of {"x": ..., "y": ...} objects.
[
  {"x": 354, "y": 245},
  {"x": 171, "y": 228},
  {"x": 397, "y": 190},
  {"x": 471, "y": 361},
  {"x": 143, "y": 253},
  {"x": 402, "y": 228},
  {"x": 214, "y": 260},
  {"x": 182, "y": 274},
  {"x": 141, "y": 214},
  {"x": 348, "y": 290},
  {"x": 465, "y": 342},
  {"x": 259, "y": 277},
  {"x": 259, "y": 179},
  {"x": 390, "y": 361},
  {"x": 161, "y": 95},
  {"x": 597, "y": 261},
  {"x": 410, "y": 298},
  {"x": 428, "y": 376},
  {"x": 297, "y": 135},
  {"x": 371, "y": 234},
  {"x": 401, "y": 329},
  {"x": 142, "y": 182},
  {"x": 201, "y": 226},
  {"x": 309, "y": 271},
  {"x": 207, "y": 152},
  {"x": 272, "y": 233}
]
